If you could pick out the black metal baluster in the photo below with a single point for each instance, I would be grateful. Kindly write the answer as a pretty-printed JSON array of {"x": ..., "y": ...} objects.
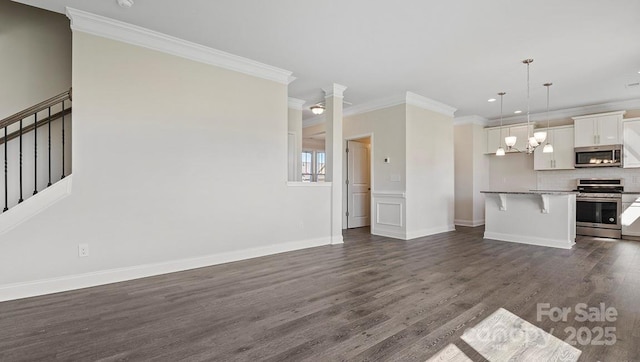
[
  {"x": 21, "y": 199},
  {"x": 35, "y": 153},
  {"x": 6, "y": 168},
  {"x": 62, "y": 140},
  {"x": 49, "y": 184}
]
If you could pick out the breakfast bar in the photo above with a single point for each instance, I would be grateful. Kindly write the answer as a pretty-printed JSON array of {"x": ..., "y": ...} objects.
[{"x": 544, "y": 218}]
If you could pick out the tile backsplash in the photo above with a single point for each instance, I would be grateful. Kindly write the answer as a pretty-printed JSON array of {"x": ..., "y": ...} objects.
[{"x": 566, "y": 179}]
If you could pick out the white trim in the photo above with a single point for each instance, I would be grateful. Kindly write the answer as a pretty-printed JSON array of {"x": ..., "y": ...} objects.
[
  {"x": 633, "y": 103},
  {"x": 429, "y": 104},
  {"x": 308, "y": 184},
  {"x": 79, "y": 281},
  {"x": 553, "y": 243},
  {"x": 397, "y": 194},
  {"x": 475, "y": 119},
  {"x": 375, "y": 105},
  {"x": 334, "y": 90},
  {"x": 388, "y": 233},
  {"x": 468, "y": 223},
  {"x": 132, "y": 34},
  {"x": 35, "y": 204},
  {"x": 295, "y": 103},
  {"x": 431, "y": 231},
  {"x": 337, "y": 239},
  {"x": 408, "y": 98},
  {"x": 618, "y": 113}
]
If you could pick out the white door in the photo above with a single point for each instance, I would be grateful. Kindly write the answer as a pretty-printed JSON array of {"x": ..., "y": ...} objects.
[{"x": 358, "y": 185}]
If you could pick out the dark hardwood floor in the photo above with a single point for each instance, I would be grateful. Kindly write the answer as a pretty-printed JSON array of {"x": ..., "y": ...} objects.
[{"x": 372, "y": 298}]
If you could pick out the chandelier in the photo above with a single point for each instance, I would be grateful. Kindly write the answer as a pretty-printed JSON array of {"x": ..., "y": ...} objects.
[{"x": 538, "y": 137}]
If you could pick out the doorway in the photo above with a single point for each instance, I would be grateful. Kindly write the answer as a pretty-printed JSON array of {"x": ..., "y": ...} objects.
[{"x": 358, "y": 183}]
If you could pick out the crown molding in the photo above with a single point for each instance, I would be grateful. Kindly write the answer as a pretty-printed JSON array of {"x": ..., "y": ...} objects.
[
  {"x": 334, "y": 90},
  {"x": 475, "y": 119},
  {"x": 295, "y": 103},
  {"x": 93, "y": 24},
  {"x": 568, "y": 113},
  {"x": 407, "y": 98},
  {"x": 429, "y": 104}
]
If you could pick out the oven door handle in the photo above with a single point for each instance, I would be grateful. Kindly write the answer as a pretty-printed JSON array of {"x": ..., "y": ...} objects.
[{"x": 598, "y": 199}]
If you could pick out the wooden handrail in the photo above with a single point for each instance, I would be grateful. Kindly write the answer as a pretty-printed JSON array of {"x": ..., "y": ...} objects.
[
  {"x": 35, "y": 109},
  {"x": 29, "y": 128}
]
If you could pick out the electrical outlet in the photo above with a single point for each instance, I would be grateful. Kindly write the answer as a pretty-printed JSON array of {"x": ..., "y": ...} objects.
[{"x": 83, "y": 250}]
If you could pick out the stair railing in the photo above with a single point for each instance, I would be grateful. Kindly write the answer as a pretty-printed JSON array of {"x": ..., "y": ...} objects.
[{"x": 63, "y": 100}]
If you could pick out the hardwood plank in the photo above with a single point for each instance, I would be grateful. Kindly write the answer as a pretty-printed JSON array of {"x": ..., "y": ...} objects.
[{"x": 372, "y": 298}]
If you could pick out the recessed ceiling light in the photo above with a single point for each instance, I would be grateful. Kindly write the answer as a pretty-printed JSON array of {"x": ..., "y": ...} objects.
[
  {"x": 518, "y": 112},
  {"x": 491, "y": 100}
]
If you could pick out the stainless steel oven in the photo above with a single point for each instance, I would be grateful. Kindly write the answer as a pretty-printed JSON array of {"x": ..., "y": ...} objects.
[{"x": 598, "y": 207}]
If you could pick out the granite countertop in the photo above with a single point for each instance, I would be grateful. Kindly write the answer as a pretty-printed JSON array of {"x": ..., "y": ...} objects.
[{"x": 532, "y": 192}]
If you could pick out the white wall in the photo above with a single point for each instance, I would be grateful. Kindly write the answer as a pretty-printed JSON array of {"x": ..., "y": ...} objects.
[
  {"x": 170, "y": 164},
  {"x": 430, "y": 172},
  {"x": 36, "y": 61},
  {"x": 387, "y": 129},
  {"x": 471, "y": 174},
  {"x": 463, "y": 165}
]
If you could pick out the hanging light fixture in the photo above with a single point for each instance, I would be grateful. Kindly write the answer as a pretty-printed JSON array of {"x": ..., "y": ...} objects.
[
  {"x": 538, "y": 137},
  {"x": 500, "y": 150},
  {"x": 548, "y": 147},
  {"x": 317, "y": 109}
]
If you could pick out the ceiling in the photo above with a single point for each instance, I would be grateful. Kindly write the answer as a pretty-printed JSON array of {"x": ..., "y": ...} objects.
[{"x": 459, "y": 52}]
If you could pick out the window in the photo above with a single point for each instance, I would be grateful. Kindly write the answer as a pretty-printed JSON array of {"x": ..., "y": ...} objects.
[{"x": 313, "y": 166}]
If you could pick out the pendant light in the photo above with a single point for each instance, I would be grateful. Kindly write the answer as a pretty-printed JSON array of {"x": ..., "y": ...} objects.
[
  {"x": 500, "y": 151},
  {"x": 538, "y": 137},
  {"x": 548, "y": 147}
]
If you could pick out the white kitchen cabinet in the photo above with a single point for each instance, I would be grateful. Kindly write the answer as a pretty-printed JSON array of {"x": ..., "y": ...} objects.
[
  {"x": 598, "y": 129},
  {"x": 630, "y": 218},
  {"x": 494, "y": 139},
  {"x": 631, "y": 148},
  {"x": 561, "y": 138}
]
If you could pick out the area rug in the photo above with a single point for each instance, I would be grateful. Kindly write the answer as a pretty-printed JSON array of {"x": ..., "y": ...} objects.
[
  {"x": 450, "y": 353},
  {"x": 503, "y": 336}
]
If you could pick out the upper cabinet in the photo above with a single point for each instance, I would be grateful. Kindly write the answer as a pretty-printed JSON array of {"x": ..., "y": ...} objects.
[
  {"x": 561, "y": 138},
  {"x": 631, "y": 145},
  {"x": 495, "y": 137},
  {"x": 598, "y": 129}
]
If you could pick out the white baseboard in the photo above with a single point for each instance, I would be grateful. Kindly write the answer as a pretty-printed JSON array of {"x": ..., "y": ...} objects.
[
  {"x": 431, "y": 231},
  {"x": 35, "y": 204},
  {"x": 553, "y": 243},
  {"x": 72, "y": 282},
  {"x": 337, "y": 239},
  {"x": 469, "y": 223},
  {"x": 395, "y": 234}
]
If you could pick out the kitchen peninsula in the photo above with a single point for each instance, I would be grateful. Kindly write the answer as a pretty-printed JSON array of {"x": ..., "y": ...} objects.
[{"x": 544, "y": 218}]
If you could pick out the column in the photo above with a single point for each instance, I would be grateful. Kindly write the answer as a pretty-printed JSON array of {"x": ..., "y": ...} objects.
[{"x": 334, "y": 152}]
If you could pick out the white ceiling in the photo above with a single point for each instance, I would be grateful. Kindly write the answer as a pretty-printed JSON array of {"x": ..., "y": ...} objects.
[{"x": 459, "y": 52}]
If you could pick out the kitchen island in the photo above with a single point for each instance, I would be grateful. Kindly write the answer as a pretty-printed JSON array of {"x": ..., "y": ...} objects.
[{"x": 544, "y": 218}]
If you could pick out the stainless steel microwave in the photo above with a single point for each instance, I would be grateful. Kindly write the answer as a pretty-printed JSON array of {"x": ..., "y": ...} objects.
[{"x": 599, "y": 156}]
